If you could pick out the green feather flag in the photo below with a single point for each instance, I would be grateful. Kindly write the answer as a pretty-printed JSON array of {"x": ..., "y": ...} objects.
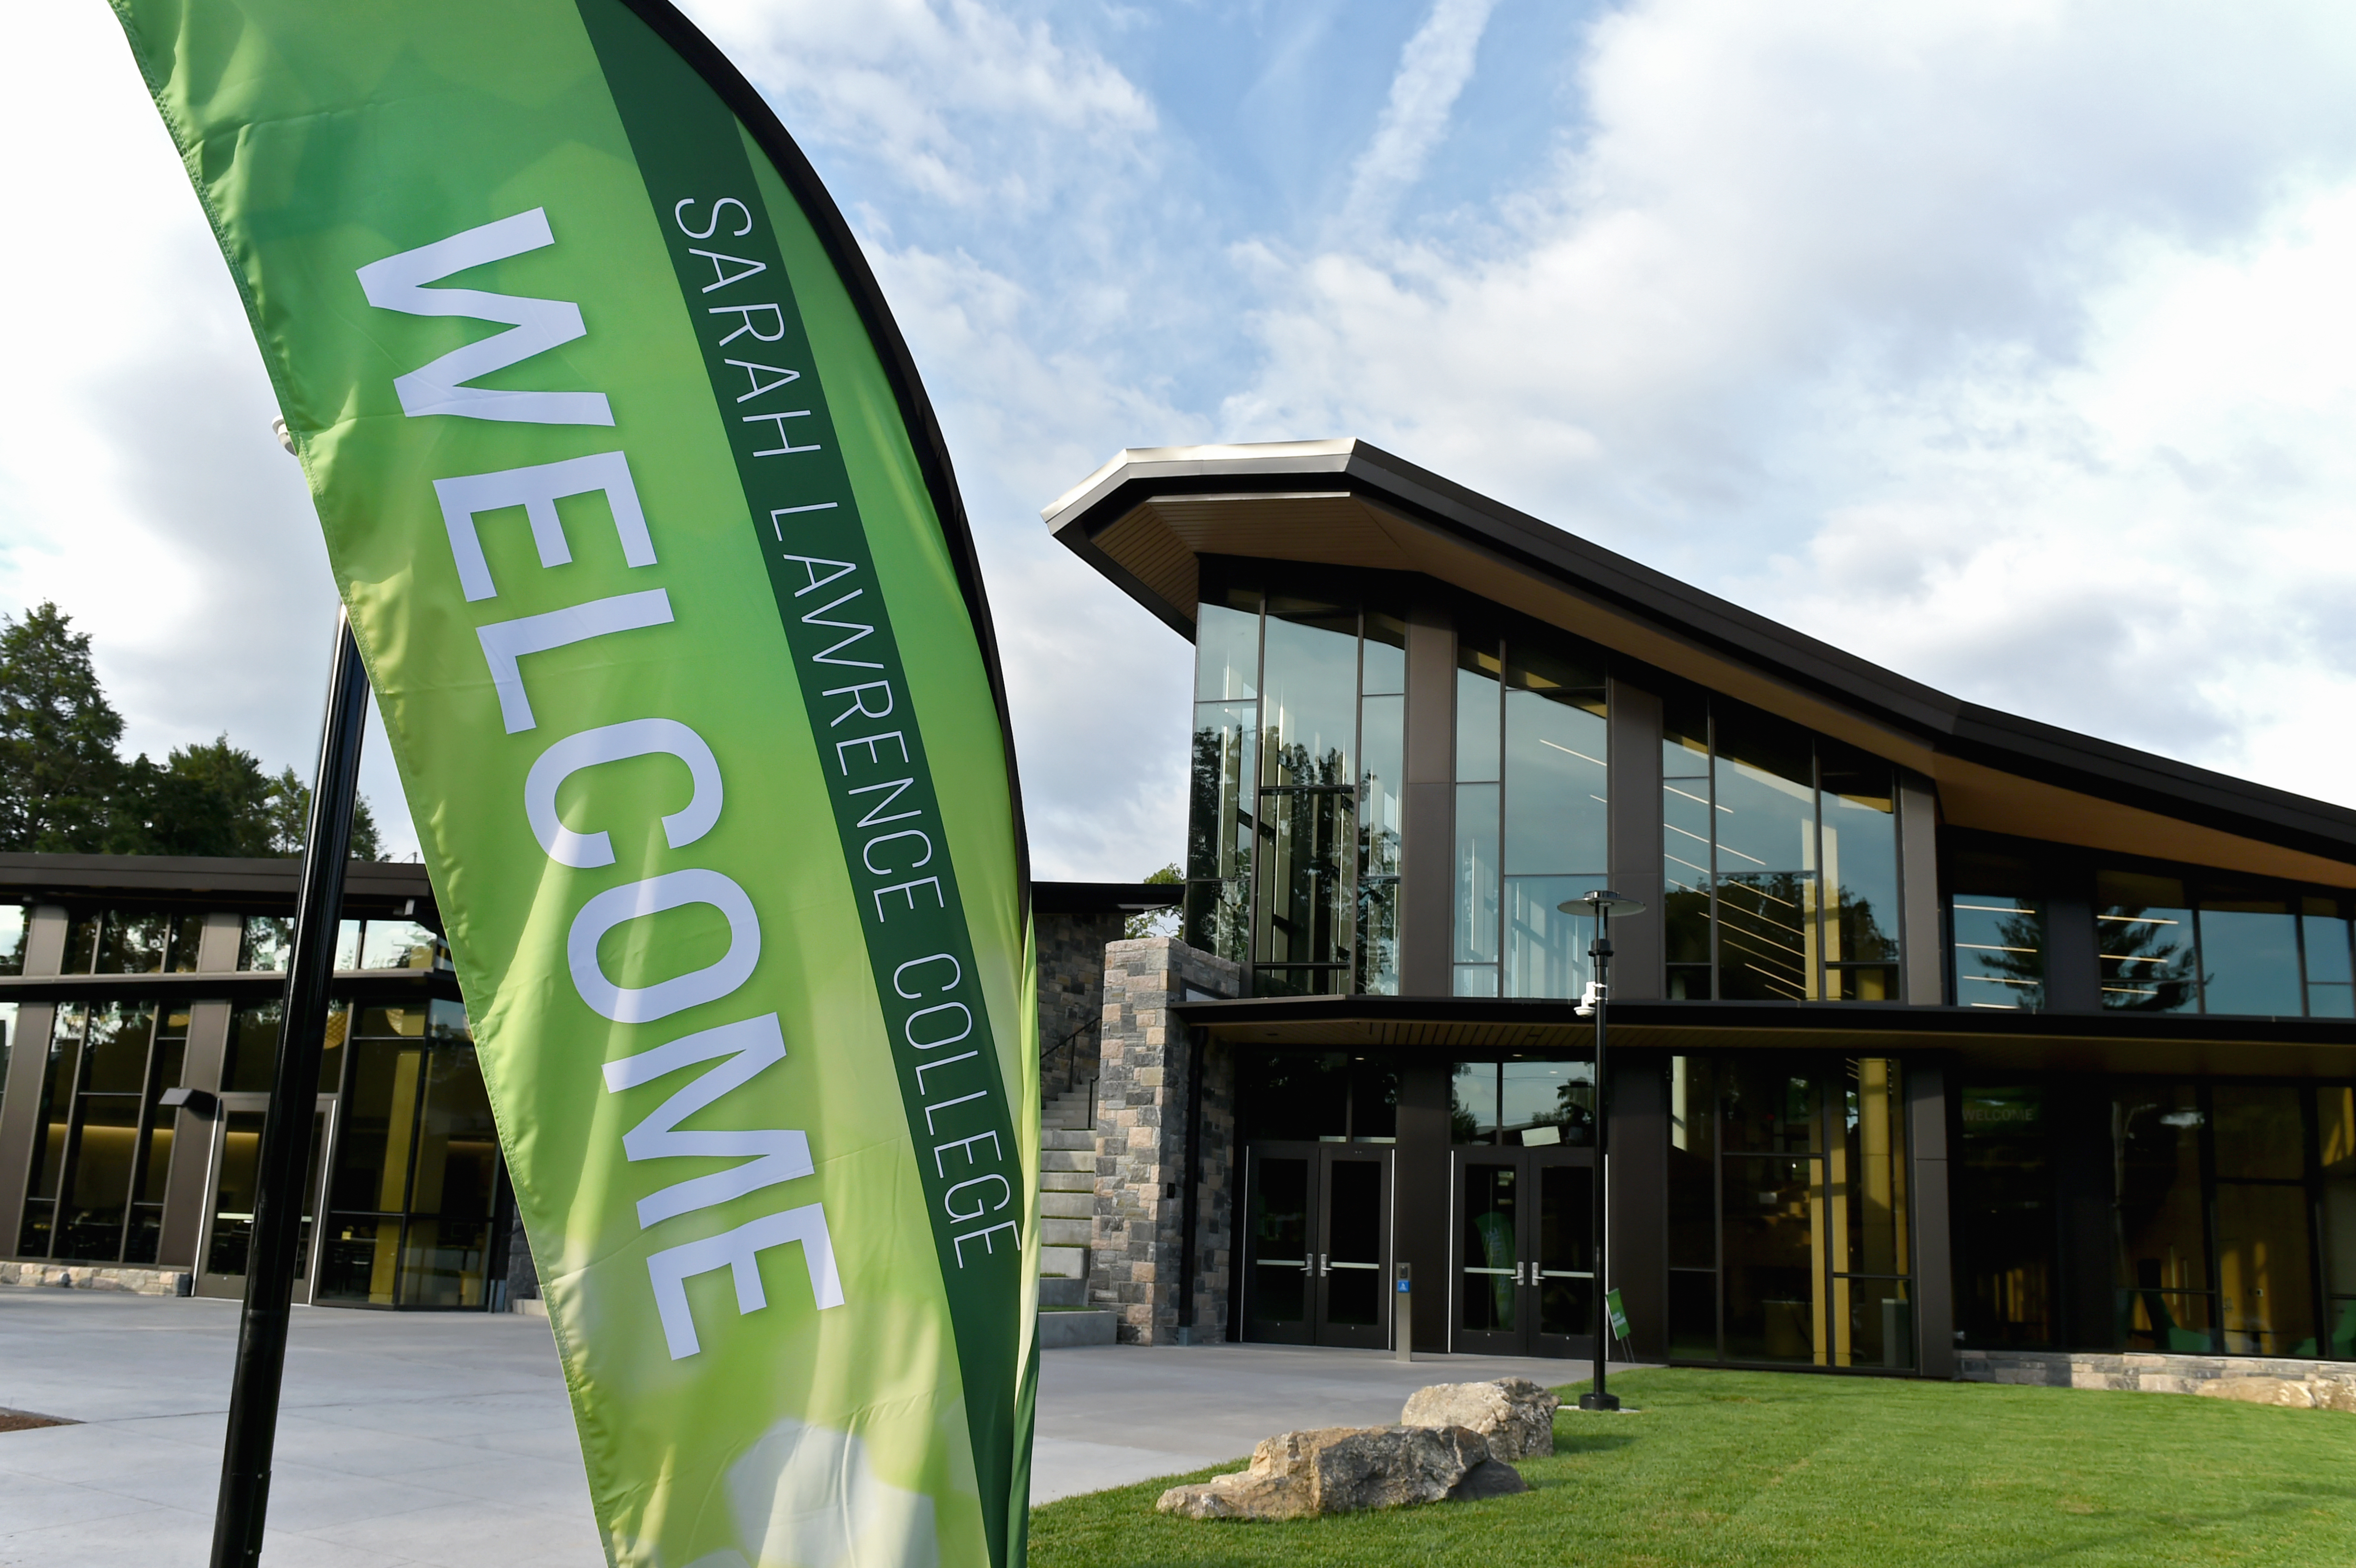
[{"x": 654, "y": 554}]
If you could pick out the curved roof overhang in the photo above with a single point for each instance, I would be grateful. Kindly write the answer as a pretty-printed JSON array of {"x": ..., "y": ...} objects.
[{"x": 1146, "y": 518}]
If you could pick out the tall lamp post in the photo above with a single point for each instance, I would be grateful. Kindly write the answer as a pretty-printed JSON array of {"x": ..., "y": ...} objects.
[{"x": 1603, "y": 905}]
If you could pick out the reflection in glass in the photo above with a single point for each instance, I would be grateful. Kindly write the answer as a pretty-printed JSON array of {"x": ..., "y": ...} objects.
[
  {"x": 1491, "y": 1244},
  {"x": 1999, "y": 950},
  {"x": 265, "y": 942},
  {"x": 1766, "y": 937},
  {"x": 1227, "y": 646},
  {"x": 1546, "y": 949},
  {"x": 2249, "y": 956},
  {"x": 1556, "y": 817},
  {"x": 2143, "y": 926},
  {"x": 1382, "y": 669},
  {"x": 1542, "y": 1103},
  {"x": 1222, "y": 829},
  {"x": 399, "y": 945},
  {"x": 1473, "y": 1103},
  {"x": 1381, "y": 816},
  {"x": 1768, "y": 1107},
  {"x": 1279, "y": 1236},
  {"x": 2324, "y": 934},
  {"x": 1479, "y": 718},
  {"x": 1311, "y": 838},
  {"x": 1860, "y": 855},
  {"x": 2163, "y": 1273},
  {"x": 13, "y": 931},
  {"x": 1476, "y": 876}
]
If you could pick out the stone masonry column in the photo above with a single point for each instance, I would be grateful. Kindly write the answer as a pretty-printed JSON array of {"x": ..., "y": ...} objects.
[{"x": 1144, "y": 1119}]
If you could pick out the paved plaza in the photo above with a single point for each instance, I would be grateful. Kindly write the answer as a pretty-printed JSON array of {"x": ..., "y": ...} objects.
[{"x": 445, "y": 1439}]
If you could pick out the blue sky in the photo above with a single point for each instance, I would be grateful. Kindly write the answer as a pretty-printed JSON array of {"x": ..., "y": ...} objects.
[{"x": 2006, "y": 342}]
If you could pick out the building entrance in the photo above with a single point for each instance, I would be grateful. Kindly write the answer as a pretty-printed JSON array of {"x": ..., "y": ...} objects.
[
  {"x": 229, "y": 1207},
  {"x": 1318, "y": 1245},
  {"x": 1523, "y": 1253}
]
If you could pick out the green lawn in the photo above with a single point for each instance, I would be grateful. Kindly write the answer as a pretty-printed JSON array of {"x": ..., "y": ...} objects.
[{"x": 1762, "y": 1467}]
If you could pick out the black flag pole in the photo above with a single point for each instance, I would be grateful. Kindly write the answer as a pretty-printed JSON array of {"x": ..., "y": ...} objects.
[{"x": 274, "y": 1250}]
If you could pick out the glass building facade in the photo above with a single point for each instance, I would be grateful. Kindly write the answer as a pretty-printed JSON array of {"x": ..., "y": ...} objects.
[
  {"x": 131, "y": 1123},
  {"x": 1294, "y": 823}
]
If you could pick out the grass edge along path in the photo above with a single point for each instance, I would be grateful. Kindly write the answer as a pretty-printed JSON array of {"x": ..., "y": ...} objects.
[{"x": 1726, "y": 1468}]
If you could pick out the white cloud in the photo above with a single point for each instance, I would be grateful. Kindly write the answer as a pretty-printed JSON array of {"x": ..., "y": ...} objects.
[
  {"x": 1433, "y": 72},
  {"x": 2001, "y": 344}
]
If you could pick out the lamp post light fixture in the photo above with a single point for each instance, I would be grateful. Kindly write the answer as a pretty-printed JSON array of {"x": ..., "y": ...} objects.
[{"x": 1603, "y": 905}]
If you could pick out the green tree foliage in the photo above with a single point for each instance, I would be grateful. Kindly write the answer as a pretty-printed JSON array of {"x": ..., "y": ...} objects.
[
  {"x": 1160, "y": 922},
  {"x": 57, "y": 766},
  {"x": 64, "y": 789}
]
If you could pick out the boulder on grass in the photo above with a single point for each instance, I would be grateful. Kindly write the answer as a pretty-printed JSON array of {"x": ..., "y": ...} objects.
[
  {"x": 2259, "y": 1390},
  {"x": 1514, "y": 1414},
  {"x": 1347, "y": 1469}
]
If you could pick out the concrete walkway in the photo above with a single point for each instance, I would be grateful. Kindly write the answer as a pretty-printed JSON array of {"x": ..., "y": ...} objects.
[{"x": 445, "y": 1439}]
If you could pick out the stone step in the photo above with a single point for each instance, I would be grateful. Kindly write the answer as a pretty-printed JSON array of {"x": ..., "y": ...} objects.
[
  {"x": 1071, "y": 1329},
  {"x": 1071, "y": 1292},
  {"x": 1068, "y": 1160},
  {"x": 1068, "y": 1205},
  {"x": 1068, "y": 1138},
  {"x": 1065, "y": 1232},
  {"x": 1070, "y": 1263},
  {"x": 1067, "y": 1182}
]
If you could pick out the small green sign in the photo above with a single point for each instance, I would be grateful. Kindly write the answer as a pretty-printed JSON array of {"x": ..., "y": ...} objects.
[{"x": 1618, "y": 1315}]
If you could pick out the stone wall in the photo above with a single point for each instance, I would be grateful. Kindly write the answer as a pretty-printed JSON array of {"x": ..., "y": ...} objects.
[
  {"x": 1071, "y": 994},
  {"x": 97, "y": 1276},
  {"x": 1144, "y": 1073},
  {"x": 2136, "y": 1372}
]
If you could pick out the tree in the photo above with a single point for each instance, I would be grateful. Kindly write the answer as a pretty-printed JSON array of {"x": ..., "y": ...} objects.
[
  {"x": 64, "y": 789},
  {"x": 290, "y": 815},
  {"x": 1159, "y": 922},
  {"x": 58, "y": 767}
]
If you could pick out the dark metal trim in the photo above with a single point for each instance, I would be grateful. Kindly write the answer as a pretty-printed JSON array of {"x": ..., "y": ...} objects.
[
  {"x": 1814, "y": 1018},
  {"x": 222, "y": 985}
]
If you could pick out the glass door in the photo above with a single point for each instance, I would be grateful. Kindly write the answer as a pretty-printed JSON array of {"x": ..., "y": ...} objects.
[
  {"x": 1317, "y": 1245},
  {"x": 229, "y": 1209},
  {"x": 1524, "y": 1252}
]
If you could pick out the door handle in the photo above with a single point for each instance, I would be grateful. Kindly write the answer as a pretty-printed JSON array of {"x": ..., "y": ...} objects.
[{"x": 1324, "y": 1268}]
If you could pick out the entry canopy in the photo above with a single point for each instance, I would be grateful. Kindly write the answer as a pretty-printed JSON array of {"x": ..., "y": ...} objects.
[{"x": 1147, "y": 519}]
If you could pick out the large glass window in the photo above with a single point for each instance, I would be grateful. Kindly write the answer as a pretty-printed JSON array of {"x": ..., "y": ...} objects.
[
  {"x": 2004, "y": 1219},
  {"x": 97, "y": 1193},
  {"x": 2169, "y": 945},
  {"x": 1532, "y": 1101},
  {"x": 1790, "y": 1223},
  {"x": 1999, "y": 950},
  {"x": 2143, "y": 931},
  {"x": 410, "y": 1192},
  {"x": 1532, "y": 814},
  {"x": 1779, "y": 860},
  {"x": 132, "y": 942},
  {"x": 1296, "y": 817},
  {"x": 1306, "y": 927},
  {"x": 14, "y": 930}
]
